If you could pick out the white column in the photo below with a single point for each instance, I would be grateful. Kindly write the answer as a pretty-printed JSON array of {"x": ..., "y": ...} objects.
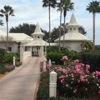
[
  {"x": 31, "y": 50},
  {"x": 42, "y": 51},
  {"x": 22, "y": 49},
  {"x": 50, "y": 62},
  {"x": 45, "y": 49},
  {"x": 14, "y": 60},
  {"x": 44, "y": 63},
  {"x": 53, "y": 84}
]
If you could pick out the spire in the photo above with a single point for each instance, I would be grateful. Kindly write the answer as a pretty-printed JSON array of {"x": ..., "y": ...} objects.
[
  {"x": 37, "y": 29},
  {"x": 73, "y": 20}
]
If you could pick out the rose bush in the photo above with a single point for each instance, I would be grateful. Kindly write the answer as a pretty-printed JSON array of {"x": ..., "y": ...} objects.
[{"x": 76, "y": 80}]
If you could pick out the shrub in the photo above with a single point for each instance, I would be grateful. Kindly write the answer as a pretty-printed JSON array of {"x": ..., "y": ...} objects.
[
  {"x": 9, "y": 68},
  {"x": 43, "y": 91},
  {"x": 56, "y": 98},
  {"x": 18, "y": 64},
  {"x": 2, "y": 69},
  {"x": 55, "y": 56},
  {"x": 8, "y": 58},
  {"x": 2, "y": 53},
  {"x": 77, "y": 81},
  {"x": 93, "y": 59}
]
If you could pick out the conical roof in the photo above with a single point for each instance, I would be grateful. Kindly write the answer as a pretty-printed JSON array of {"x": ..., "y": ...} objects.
[
  {"x": 73, "y": 34},
  {"x": 73, "y": 21},
  {"x": 37, "y": 30}
]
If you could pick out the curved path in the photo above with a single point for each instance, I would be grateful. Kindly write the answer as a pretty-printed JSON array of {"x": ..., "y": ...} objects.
[{"x": 20, "y": 84}]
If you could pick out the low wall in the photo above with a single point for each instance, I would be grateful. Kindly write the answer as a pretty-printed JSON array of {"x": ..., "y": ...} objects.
[{"x": 26, "y": 54}]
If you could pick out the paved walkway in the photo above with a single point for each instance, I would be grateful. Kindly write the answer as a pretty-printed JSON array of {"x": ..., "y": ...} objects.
[{"x": 20, "y": 84}]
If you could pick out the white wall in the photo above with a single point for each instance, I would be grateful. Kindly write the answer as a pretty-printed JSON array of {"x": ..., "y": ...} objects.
[
  {"x": 72, "y": 45},
  {"x": 26, "y": 54}
]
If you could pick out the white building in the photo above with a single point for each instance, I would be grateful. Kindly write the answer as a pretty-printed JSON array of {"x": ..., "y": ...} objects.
[
  {"x": 73, "y": 38},
  {"x": 37, "y": 45}
]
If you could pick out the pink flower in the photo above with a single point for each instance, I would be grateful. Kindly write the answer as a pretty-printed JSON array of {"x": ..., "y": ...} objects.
[
  {"x": 87, "y": 71},
  {"x": 86, "y": 89},
  {"x": 64, "y": 58},
  {"x": 87, "y": 66},
  {"x": 78, "y": 81},
  {"x": 75, "y": 91},
  {"x": 48, "y": 66},
  {"x": 62, "y": 81},
  {"x": 76, "y": 61},
  {"x": 67, "y": 85},
  {"x": 62, "y": 76},
  {"x": 44, "y": 69},
  {"x": 99, "y": 92}
]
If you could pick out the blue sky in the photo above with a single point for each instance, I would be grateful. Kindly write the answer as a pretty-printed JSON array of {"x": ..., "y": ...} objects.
[{"x": 31, "y": 11}]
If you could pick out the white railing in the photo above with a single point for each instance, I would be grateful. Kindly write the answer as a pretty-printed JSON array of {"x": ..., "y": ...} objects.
[{"x": 26, "y": 54}]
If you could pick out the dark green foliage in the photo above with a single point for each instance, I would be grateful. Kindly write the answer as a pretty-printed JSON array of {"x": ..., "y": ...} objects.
[
  {"x": 93, "y": 59},
  {"x": 53, "y": 98},
  {"x": 55, "y": 56},
  {"x": 8, "y": 58},
  {"x": 43, "y": 91},
  {"x": 2, "y": 53},
  {"x": 2, "y": 68}
]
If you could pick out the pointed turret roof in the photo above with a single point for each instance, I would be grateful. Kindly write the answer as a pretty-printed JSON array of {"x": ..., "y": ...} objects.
[
  {"x": 73, "y": 34},
  {"x": 73, "y": 21},
  {"x": 37, "y": 30}
]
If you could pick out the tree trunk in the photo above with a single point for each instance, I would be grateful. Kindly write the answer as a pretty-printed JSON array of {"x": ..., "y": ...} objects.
[
  {"x": 7, "y": 36},
  {"x": 94, "y": 29},
  {"x": 49, "y": 26},
  {"x": 64, "y": 31},
  {"x": 60, "y": 25}
]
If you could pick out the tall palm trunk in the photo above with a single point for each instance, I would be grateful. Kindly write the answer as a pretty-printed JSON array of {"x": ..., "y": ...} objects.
[
  {"x": 60, "y": 24},
  {"x": 49, "y": 26},
  {"x": 94, "y": 29},
  {"x": 64, "y": 31},
  {"x": 7, "y": 32},
  {"x": 64, "y": 28}
]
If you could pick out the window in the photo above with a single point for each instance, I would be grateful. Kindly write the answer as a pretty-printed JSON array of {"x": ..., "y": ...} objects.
[
  {"x": 9, "y": 49},
  {"x": 70, "y": 28},
  {"x": 74, "y": 28}
]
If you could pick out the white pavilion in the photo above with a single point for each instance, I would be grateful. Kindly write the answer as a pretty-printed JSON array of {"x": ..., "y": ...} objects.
[
  {"x": 38, "y": 45},
  {"x": 73, "y": 38}
]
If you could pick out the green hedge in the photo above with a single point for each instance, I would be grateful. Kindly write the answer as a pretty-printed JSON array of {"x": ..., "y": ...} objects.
[
  {"x": 2, "y": 68},
  {"x": 8, "y": 58},
  {"x": 55, "y": 56},
  {"x": 2, "y": 53},
  {"x": 43, "y": 91},
  {"x": 93, "y": 59}
]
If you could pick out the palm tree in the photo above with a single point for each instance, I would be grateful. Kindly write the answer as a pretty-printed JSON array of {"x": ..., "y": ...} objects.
[
  {"x": 7, "y": 11},
  {"x": 49, "y": 3},
  {"x": 59, "y": 5},
  {"x": 67, "y": 6},
  {"x": 93, "y": 8},
  {"x": 87, "y": 45},
  {"x": 1, "y": 23}
]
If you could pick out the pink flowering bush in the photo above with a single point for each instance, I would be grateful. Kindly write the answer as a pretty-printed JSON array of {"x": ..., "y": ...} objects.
[
  {"x": 18, "y": 63},
  {"x": 9, "y": 68},
  {"x": 77, "y": 81}
]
